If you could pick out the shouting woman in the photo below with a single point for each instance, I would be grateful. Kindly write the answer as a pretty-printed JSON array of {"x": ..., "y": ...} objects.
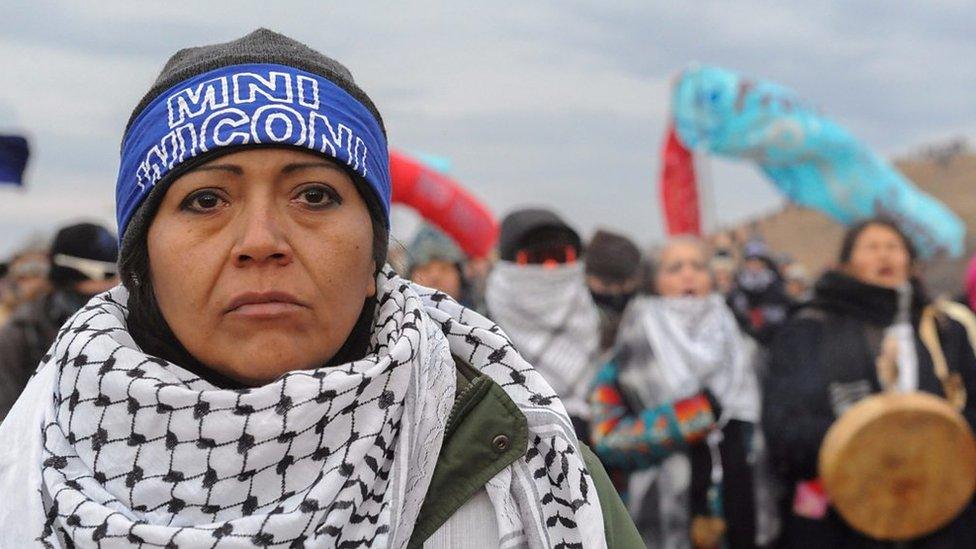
[
  {"x": 870, "y": 327},
  {"x": 261, "y": 378},
  {"x": 676, "y": 408}
]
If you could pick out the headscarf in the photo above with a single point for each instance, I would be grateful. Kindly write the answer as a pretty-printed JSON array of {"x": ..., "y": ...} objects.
[{"x": 552, "y": 321}]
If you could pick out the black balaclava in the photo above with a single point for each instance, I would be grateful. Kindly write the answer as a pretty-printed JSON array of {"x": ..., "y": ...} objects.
[{"x": 615, "y": 259}]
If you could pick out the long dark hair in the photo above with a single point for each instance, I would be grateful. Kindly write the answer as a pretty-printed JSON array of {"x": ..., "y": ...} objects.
[{"x": 153, "y": 334}]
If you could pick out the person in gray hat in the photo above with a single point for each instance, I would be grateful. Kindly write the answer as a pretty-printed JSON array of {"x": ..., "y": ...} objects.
[
  {"x": 83, "y": 260},
  {"x": 437, "y": 262},
  {"x": 262, "y": 378}
]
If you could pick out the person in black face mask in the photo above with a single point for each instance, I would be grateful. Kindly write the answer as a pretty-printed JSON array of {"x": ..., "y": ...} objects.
[
  {"x": 613, "y": 275},
  {"x": 759, "y": 299}
]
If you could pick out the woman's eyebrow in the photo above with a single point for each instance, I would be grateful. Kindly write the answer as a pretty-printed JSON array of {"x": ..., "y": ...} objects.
[
  {"x": 236, "y": 170},
  {"x": 297, "y": 166}
]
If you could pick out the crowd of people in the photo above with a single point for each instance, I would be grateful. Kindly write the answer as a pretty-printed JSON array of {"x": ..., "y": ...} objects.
[
  {"x": 706, "y": 373},
  {"x": 254, "y": 365}
]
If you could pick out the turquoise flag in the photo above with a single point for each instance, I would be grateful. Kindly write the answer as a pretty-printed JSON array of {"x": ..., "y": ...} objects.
[{"x": 813, "y": 160}]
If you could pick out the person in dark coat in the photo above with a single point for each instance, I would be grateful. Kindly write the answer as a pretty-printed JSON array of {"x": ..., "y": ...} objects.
[
  {"x": 826, "y": 358},
  {"x": 83, "y": 260},
  {"x": 759, "y": 299},
  {"x": 614, "y": 273}
]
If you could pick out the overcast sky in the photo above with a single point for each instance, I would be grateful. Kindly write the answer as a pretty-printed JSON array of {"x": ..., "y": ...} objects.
[{"x": 554, "y": 103}]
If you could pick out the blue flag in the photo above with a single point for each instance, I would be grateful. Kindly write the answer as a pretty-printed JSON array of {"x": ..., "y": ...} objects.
[
  {"x": 813, "y": 160},
  {"x": 13, "y": 159}
]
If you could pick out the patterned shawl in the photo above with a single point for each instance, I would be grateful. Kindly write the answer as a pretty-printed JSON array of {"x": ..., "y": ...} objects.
[{"x": 110, "y": 447}]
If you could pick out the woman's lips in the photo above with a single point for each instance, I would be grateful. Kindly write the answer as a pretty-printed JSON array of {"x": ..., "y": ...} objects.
[{"x": 264, "y": 304}]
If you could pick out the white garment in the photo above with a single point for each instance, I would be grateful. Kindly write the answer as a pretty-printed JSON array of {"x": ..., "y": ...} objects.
[
  {"x": 696, "y": 344},
  {"x": 108, "y": 446},
  {"x": 669, "y": 349},
  {"x": 659, "y": 501},
  {"x": 551, "y": 319},
  {"x": 904, "y": 335},
  {"x": 467, "y": 527}
]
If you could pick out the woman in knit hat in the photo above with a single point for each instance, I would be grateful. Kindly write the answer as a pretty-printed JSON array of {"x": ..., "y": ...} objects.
[
  {"x": 437, "y": 262},
  {"x": 261, "y": 378}
]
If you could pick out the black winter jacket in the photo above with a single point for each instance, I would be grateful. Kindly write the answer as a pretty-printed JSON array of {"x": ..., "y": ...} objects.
[
  {"x": 825, "y": 354},
  {"x": 26, "y": 337}
]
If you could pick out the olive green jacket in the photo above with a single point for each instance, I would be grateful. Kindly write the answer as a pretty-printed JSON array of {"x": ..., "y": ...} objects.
[{"x": 486, "y": 432}]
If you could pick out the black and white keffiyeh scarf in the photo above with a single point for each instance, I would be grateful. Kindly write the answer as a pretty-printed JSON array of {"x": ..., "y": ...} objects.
[
  {"x": 110, "y": 447},
  {"x": 681, "y": 345},
  {"x": 553, "y": 322},
  {"x": 670, "y": 348}
]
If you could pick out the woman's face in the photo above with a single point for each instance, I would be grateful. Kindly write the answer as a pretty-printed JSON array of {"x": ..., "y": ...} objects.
[
  {"x": 880, "y": 257},
  {"x": 683, "y": 271},
  {"x": 261, "y": 262}
]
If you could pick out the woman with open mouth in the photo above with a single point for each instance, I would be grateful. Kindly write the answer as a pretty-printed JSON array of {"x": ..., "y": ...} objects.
[
  {"x": 676, "y": 408},
  {"x": 864, "y": 332},
  {"x": 262, "y": 378}
]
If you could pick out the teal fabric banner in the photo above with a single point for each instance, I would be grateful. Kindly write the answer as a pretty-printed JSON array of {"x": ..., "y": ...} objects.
[{"x": 813, "y": 160}]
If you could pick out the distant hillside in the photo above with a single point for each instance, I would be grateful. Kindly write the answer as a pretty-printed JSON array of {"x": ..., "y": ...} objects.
[{"x": 814, "y": 240}]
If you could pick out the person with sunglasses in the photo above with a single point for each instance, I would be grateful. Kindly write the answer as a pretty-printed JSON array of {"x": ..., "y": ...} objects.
[
  {"x": 83, "y": 260},
  {"x": 537, "y": 293}
]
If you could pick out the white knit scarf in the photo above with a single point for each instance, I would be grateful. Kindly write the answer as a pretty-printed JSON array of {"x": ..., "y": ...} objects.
[
  {"x": 110, "y": 447},
  {"x": 552, "y": 320}
]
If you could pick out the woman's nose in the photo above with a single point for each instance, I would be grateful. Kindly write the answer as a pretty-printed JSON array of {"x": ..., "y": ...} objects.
[{"x": 261, "y": 238}]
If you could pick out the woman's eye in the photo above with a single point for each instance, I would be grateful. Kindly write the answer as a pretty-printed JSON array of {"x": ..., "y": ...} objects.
[
  {"x": 314, "y": 196},
  {"x": 318, "y": 196},
  {"x": 202, "y": 201}
]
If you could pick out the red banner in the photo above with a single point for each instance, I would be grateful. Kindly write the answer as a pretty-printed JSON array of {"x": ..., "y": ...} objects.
[
  {"x": 679, "y": 189},
  {"x": 444, "y": 203}
]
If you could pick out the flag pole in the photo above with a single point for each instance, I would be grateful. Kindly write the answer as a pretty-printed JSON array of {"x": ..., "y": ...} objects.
[{"x": 706, "y": 190}]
